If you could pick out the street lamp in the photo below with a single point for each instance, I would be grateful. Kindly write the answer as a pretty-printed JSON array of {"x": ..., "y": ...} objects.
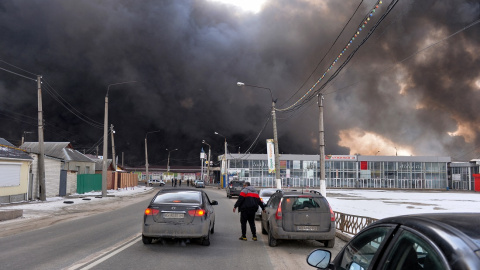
[
  {"x": 225, "y": 167},
  {"x": 105, "y": 140},
  {"x": 275, "y": 137},
  {"x": 208, "y": 165},
  {"x": 168, "y": 160},
  {"x": 146, "y": 156}
]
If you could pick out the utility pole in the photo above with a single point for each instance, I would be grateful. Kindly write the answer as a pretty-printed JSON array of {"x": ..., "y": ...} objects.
[
  {"x": 114, "y": 160},
  {"x": 208, "y": 166},
  {"x": 146, "y": 161},
  {"x": 123, "y": 158},
  {"x": 41, "y": 146},
  {"x": 278, "y": 180},
  {"x": 321, "y": 140}
]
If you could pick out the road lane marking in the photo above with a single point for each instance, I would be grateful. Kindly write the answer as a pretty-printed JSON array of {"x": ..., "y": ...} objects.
[{"x": 101, "y": 256}]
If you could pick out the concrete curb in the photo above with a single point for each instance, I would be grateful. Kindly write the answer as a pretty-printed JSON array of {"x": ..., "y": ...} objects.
[{"x": 10, "y": 214}]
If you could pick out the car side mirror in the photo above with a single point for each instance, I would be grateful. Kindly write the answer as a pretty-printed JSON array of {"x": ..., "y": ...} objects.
[
  {"x": 214, "y": 202},
  {"x": 319, "y": 258}
]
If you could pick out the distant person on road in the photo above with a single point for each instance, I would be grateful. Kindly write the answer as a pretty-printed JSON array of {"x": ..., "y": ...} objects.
[
  {"x": 188, "y": 182},
  {"x": 180, "y": 182},
  {"x": 175, "y": 182},
  {"x": 172, "y": 182},
  {"x": 248, "y": 203}
]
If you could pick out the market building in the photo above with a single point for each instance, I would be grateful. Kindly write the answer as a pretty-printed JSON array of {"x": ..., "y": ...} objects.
[{"x": 354, "y": 171}]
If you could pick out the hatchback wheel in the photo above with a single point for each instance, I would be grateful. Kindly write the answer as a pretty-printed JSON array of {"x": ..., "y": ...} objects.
[
  {"x": 146, "y": 240},
  {"x": 329, "y": 243},
  {"x": 263, "y": 229},
  {"x": 271, "y": 240}
]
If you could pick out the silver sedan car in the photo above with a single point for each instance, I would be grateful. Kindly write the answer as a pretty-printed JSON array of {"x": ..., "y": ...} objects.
[{"x": 179, "y": 213}]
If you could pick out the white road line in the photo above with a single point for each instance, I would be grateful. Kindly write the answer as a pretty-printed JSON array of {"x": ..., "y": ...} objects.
[{"x": 101, "y": 256}]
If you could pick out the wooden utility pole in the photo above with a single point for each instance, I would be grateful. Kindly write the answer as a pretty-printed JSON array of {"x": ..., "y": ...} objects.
[{"x": 41, "y": 146}]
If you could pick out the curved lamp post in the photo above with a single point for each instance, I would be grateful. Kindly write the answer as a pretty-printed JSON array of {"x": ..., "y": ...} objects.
[
  {"x": 208, "y": 165},
  {"x": 278, "y": 180},
  {"x": 105, "y": 140},
  {"x": 224, "y": 157},
  {"x": 146, "y": 156},
  {"x": 168, "y": 160}
]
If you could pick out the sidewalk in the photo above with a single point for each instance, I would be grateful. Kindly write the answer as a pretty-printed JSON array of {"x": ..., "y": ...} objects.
[{"x": 34, "y": 209}]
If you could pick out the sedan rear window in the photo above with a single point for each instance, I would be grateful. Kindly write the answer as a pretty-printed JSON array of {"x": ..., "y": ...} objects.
[{"x": 179, "y": 197}]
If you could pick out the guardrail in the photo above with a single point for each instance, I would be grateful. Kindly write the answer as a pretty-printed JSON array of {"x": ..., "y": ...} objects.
[{"x": 351, "y": 224}]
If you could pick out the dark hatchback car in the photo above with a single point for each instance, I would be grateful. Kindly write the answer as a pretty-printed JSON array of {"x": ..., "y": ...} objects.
[
  {"x": 179, "y": 213},
  {"x": 426, "y": 241},
  {"x": 234, "y": 188},
  {"x": 298, "y": 215}
]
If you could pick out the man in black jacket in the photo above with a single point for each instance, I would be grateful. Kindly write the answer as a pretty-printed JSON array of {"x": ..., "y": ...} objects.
[{"x": 248, "y": 203}]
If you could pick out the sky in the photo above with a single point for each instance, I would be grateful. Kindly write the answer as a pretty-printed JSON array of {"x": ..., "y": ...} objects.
[{"x": 408, "y": 84}]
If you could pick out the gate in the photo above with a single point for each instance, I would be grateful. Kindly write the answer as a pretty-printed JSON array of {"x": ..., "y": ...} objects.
[{"x": 63, "y": 183}]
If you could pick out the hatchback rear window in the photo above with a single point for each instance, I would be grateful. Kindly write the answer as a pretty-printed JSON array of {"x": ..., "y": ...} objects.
[
  {"x": 300, "y": 203},
  {"x": 267, "y": 193},
  {"x": 179, "y": 197}
]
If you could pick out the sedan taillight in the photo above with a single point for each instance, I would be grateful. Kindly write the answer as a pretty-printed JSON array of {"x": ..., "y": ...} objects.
[
  {"x": 151, "y": 212},
  {"x": 196, "y": 213}
]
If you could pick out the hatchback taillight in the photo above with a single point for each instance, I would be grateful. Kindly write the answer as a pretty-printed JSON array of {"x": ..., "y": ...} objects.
[
  {"x": 196, "y": 213},
  {"x": 151, "y": 212},
  {"x": 278, "y": 214},
  {"x": 332, "y": 214}
]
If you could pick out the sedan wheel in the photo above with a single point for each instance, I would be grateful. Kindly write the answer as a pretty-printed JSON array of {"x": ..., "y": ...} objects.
[
  {"x": 271, "y": 240},
  {"x": 146, "y": 240},
  {"x": 206, "y": 239},
  {"x": 212, "y": 230}
]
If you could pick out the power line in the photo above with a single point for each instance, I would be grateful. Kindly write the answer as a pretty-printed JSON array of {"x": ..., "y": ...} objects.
[
  {"x": 309, "y": 95},
  {"x": 311, "y": 74}
]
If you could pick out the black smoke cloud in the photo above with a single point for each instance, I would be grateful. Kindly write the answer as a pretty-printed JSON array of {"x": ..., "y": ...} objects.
[{"x": 187, "y": 56}]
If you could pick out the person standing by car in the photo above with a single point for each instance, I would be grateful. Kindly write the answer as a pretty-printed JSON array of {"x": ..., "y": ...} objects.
[{"x": 248, "y": 203}]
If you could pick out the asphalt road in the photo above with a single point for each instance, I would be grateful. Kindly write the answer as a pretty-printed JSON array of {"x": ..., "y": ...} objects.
[{"x": 109, "y": 238}]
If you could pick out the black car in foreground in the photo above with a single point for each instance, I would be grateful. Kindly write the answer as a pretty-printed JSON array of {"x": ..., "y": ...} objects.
[
  {"x": 179, "y": 213},
  {"x": 423, "y": 241}
]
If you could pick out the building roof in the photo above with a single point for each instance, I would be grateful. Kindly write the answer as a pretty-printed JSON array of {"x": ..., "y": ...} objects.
[
  {"x": 62, "y": 150},
  {"x": 8, "y": 150},
  {"x": 99, "y": 162},
  {"x": 339, "y": 158}
]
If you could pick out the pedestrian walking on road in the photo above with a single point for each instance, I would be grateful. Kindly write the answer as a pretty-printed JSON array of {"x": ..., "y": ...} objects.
[
  {"x": 188, "y": 182},
  {"x": 172, "y": 182},
  {"x": 180, "y": 182},
  {"x": 248, "y": 203},
  {"x": 175, "y": 182}
]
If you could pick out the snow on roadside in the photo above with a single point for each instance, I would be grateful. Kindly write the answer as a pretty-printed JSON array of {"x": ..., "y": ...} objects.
[
  {"x": 385, "y": 203},
  {"x": 34, "y": 209}
]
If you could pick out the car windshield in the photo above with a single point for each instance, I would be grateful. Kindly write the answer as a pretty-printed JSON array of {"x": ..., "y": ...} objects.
[{"x": 179, "y": 197}]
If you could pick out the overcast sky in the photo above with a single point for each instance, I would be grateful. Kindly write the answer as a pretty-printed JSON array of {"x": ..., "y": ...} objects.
[{"x": 412, "y": 88}]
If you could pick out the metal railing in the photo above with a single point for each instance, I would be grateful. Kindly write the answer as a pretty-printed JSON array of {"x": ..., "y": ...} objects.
[{"x": 351, "y": 224}]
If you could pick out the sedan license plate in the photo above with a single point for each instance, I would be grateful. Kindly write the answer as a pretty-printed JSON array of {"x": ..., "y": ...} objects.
[
  {"x": 173, "y": 215},
  {"x": 307, "y": 228}
]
